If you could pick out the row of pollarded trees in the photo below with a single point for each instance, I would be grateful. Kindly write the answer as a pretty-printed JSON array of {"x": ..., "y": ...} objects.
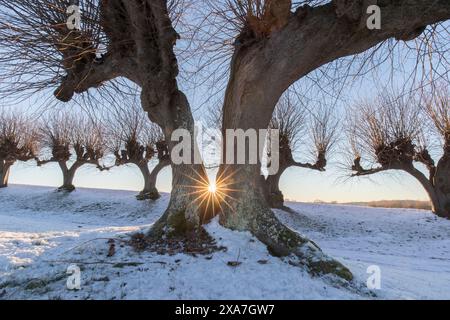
[
  {"x": 273, "y": 44},
  {"x": 392, "y": 131},
  {"x": 395, "y": 133},
  {"x": 73, "y": 140},
  {"x": 389, "y": 132},
  {"x": 135, "y": 140}
]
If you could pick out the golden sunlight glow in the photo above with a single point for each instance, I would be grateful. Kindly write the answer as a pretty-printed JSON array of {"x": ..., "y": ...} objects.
[
  {"x": 212, "y": 195},
  {"x": 212, "y": 187}
]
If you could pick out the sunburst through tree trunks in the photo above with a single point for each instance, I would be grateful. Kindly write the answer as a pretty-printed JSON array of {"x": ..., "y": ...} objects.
[{"x": 275, "y": 47}]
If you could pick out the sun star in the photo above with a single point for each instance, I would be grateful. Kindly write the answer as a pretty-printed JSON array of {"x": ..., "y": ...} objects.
[{"x": 212, "y": 188}]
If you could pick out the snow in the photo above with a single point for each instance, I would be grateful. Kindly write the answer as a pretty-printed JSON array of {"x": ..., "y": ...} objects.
[{"x": 42, "y": 232}]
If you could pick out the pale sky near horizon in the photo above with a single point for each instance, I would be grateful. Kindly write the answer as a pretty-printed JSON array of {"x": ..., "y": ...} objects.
[{"x": 297, "y": 184}]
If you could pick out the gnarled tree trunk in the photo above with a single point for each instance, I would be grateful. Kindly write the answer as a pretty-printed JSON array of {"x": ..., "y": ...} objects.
[
  {"x": 273, "y": 194},
  {"x": 185, "y": 213},
  {"x": 441, "y": 206},
  {"x": 438, "y": 188},
  {"x": 150, "y": 191},
  {"x": 263, "y": 68},
  {"x": 5, "y": 167},
  {"x": 248, "y": 209}
]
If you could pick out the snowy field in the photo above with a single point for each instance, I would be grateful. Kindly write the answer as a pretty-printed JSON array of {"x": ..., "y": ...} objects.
[{"x": 43, "y": 232}]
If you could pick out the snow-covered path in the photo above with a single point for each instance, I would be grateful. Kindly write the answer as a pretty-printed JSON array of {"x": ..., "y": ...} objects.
[{"x": 43, "y": 232}]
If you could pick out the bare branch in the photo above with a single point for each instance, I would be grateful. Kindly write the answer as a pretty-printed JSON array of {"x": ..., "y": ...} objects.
[
  {"x": 19, "y": 137},
  {"x": 133, "y": 138}
]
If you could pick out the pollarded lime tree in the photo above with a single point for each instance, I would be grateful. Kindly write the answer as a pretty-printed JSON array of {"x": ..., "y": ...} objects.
[
  {"x": 134, "y": 139},
  {"x": 277, "y": 45},
  {"x": 19, "y": 141},
  {"x": 72, "y": 141},
  {"x": 98, "y": 54},
  {"x": 388, "y": 134},
  {"x": 292, "y": 120}
]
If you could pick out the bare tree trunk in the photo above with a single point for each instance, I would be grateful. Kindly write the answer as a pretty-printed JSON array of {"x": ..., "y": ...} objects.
[
  {"x": 438, "y": 190},
  {"x": 273, "y": 194},
  {"x": 150, "y": 191},
  {"x": 442, "y": 186},
  {"x": 185, "y": 214},
  {"x": 5, "y": 168},
  {"x": 248, "y": 209},
  {"x": 68, "y": 175}
]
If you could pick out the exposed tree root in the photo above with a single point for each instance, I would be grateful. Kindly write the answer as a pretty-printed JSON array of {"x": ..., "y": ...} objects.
[
  {"x": 281, "y": 241},
  {"x": 177, "y": 231},
  {"x": 68, "y": 188},
  {"x": 148, "y": 195},
  {"x": 194, "y": 242}
]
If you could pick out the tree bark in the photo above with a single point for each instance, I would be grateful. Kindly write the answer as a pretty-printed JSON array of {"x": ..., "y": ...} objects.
[
  {"x": 442, "y": 185},
  {"x": 185, "y": 213},
  {"x": 274, "y": 196},
  {"x": 5, "y": 167}
]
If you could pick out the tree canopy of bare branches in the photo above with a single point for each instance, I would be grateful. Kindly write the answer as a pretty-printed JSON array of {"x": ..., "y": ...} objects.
[
  {"x": 133, "y": 139},
  {"x": 19, "y": 141},
  {"x": 389, "y": 132},
  {"x": 72, "y": 141},
  {"x": 293, "y": 120}
]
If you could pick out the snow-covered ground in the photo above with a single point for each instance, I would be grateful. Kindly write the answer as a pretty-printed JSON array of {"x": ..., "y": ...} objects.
[{"x": 43, "y": 232}]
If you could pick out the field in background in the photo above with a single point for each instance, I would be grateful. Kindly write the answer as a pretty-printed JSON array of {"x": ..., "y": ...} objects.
[{"x": 408, "y": 204}]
